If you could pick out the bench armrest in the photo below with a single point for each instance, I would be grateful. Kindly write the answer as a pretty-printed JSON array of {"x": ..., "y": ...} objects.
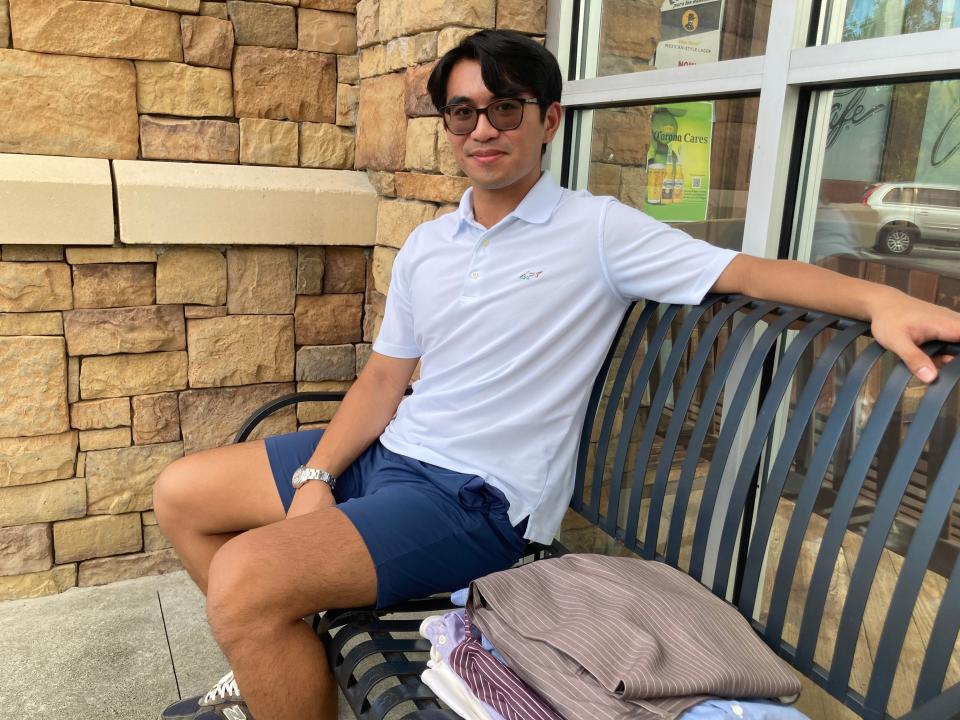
[{"x": 271, "y": 407}]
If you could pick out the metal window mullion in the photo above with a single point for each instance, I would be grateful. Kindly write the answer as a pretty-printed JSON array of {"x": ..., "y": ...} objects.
[
  {"x": 773, "y": 144},
  {"x": 883, "y": 60},
  {"x": 776, "y": 123},
  {"x": 709, "y": 80},
  {"x": 560, "y": 42}
]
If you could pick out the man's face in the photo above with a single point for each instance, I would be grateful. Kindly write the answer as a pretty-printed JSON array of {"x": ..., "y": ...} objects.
[{"x": 496, "y": 159}]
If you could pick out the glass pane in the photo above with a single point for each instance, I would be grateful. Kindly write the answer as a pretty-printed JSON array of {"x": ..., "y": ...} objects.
[
  {"x": 687, "y": 164},
  {"x": 866, "y": 19},
  {"x": 886, "y": 199},
  {"x": 650, "y": 34}
]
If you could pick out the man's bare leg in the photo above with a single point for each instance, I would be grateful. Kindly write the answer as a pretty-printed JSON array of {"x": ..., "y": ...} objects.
[
  {"x": 205, "y": 499},
  {"x": 261, "y": 584}
]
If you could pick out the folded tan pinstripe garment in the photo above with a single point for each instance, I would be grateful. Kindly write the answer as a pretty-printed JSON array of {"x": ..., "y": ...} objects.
[{"x": 616, "y": 638}]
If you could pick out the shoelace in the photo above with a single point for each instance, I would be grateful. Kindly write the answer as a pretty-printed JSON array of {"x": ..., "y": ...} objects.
[{"x": 225, "y": 689}]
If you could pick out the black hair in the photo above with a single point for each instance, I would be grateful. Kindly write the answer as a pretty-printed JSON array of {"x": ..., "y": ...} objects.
[{"x": 510, "y": 64}]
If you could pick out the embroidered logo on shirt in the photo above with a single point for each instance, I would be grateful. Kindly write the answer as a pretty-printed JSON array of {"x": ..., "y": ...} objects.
[{"x": 531, "y": 274}]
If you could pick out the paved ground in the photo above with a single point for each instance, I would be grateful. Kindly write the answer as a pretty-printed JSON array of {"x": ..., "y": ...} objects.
[{"x": 124, "y": 650}]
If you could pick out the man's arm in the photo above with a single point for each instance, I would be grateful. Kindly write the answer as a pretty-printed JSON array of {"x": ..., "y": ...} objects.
[
  {"x": 361, "y": 417},
  {"x": 899, "y": 322}
]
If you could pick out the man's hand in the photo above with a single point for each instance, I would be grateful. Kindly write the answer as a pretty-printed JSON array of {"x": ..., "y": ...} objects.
[
  {"x": 906, "y": 323},
  {"x": 313, "y": 496}
]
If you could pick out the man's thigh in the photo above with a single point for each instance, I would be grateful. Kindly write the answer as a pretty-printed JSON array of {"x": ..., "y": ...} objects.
[
  {"x": 304, "y": 564},
  {"x": 222, "y": 490}
]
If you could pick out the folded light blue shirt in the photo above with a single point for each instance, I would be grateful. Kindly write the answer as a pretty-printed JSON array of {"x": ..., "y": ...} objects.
[{"x": 721, "y": 709}]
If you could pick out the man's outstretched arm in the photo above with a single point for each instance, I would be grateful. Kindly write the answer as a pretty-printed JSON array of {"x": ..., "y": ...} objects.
[
  {"x": 899, "y": 322},
  {"x": 365, "y": 411}
]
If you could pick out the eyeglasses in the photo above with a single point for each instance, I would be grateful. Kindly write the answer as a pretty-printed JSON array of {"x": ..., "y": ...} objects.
[{"x": 502, "y": 113}]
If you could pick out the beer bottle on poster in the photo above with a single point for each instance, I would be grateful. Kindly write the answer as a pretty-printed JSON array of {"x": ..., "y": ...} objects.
[
  {"x": 666, "y": 196},
  {"x": 678, "y": 190}
]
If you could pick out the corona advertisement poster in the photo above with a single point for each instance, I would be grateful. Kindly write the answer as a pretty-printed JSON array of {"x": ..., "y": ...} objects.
[
  {"x": 689, "y": 32},
  {"x": 678, "y": 162}
]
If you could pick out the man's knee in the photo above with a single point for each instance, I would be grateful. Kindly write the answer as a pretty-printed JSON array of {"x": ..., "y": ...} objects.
[
  {"x": 171, "y": 491},
  {"x": 243, "y": 601}
]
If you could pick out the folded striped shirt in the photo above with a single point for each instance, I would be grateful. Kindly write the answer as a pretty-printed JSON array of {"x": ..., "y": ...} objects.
[{"x": 612, "y": 638}]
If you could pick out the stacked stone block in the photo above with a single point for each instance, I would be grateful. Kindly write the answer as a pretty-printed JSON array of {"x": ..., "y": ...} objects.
[
  {"x": 244, "y": 81},
  {"x": 117, "y": 361}
]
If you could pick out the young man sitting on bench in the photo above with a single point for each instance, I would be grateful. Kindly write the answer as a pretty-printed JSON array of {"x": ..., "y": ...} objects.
[{"x": 510, "y": 304}]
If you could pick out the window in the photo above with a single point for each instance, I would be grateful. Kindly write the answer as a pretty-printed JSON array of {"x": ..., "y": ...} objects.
[
  {"x": 866, "y": 19},
  {"x": 686, "y": 164},
  {"x": 883, "y": 175},
  {"x": 638, "y": 36}
]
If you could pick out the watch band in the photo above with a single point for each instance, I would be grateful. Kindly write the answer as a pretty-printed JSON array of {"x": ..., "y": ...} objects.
[{"x": 304, "y": 474}]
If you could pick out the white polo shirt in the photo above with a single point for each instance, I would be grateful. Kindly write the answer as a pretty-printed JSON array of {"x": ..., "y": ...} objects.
[{"x": 512, "y": 324}]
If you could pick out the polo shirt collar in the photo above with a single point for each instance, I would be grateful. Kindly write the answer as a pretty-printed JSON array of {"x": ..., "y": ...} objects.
[{"x": 536, "y": 207}]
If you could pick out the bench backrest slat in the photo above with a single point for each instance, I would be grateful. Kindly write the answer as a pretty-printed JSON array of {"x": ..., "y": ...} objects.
[
  {"x": 695, "y": 443},
  {"x": 606, "y": 430},
  {"x": 662, "y": 392},
  {"x": 777, "y": 479},
  {"x": 593, "y": 405},
  {"x": 880, "y": 525},
  {"x": 676, "y": 465},
  {"x": 734, "y": 409},
  {"x": 946, "y": 628},
  {"x": 774, "y": 397},
  {"x": 910, "y": 581}
]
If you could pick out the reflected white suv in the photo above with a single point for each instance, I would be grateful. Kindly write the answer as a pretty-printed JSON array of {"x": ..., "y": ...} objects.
[{"x": 915, "y": 213}]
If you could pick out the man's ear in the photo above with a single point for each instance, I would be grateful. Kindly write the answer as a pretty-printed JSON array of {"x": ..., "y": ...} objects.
[{"x": 552, "y": 121}]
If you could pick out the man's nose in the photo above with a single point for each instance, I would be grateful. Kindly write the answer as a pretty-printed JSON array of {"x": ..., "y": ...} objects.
[{"x": 484, "y": 130}]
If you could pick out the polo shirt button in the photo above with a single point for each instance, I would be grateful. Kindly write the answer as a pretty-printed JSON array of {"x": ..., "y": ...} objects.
[
  {"x": 486, "y": 243},
  {"x": 474, "y": 275}
]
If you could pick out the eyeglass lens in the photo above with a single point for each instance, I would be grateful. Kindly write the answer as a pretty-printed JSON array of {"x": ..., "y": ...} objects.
[{"x": 502, "y": 114}]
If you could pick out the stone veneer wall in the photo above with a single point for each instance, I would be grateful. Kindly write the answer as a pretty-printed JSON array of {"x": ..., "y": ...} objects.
[
  {"x": 225, "y": 82},
  {"x": 116, "y": 360}
]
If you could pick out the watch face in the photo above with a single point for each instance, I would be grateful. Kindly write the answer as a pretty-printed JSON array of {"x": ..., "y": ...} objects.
[{"x": 298, "y": 477}]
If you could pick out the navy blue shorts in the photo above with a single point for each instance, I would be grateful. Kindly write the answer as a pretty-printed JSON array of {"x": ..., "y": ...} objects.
[{"x": 428, "y": 529}]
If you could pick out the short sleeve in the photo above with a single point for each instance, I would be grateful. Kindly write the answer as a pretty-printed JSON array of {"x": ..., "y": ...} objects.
[
  {"x": 647, "y": 259},
  {"x": 396, "y": 337}
]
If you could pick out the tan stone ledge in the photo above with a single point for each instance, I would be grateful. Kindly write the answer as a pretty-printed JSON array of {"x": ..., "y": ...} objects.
[
  {"x": 196, "y": 204},
  {"x": 55, "y": 200}
]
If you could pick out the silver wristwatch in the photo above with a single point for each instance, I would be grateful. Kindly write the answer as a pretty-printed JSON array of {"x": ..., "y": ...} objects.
[{"x": 304, "y": 474}]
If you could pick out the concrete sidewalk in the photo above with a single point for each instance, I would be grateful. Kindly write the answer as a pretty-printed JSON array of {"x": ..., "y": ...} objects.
[{"x": 125, "y": 650}]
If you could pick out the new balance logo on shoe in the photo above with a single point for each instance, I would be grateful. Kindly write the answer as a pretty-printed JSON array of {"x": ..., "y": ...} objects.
[{"x": 234, "y": 713}]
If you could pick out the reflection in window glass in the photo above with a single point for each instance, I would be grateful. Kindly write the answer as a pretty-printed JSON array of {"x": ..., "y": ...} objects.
[
  {"x": 888, "y": 194},
  {"x": 687, "y": 164},
  {"x": 648, "y": 34},
  {"x": 867, "y": 19}
]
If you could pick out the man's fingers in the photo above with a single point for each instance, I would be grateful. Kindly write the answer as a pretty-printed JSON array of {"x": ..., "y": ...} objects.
[
  {"x": 920, "y": 364},
  {"x": 940, "y": 360}
]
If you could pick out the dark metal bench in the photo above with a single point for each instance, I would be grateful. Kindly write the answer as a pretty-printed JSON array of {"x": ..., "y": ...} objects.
[{"x": 784, "y": 460}]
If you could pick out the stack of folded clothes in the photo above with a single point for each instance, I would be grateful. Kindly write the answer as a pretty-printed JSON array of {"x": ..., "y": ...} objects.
[{"x": 585, "y": 637}]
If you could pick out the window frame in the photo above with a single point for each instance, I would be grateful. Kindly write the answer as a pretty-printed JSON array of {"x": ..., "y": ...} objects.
[{"x": 785, "y": 78}]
